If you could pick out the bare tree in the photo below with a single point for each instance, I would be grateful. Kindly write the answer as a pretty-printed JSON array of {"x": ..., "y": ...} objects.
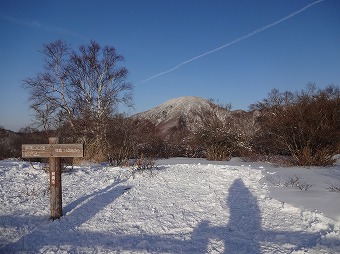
[{"x": 78, "y": 86}]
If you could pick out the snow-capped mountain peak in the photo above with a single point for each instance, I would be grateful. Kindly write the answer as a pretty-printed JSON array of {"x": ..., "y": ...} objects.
[{"x": 189, "y": 109}]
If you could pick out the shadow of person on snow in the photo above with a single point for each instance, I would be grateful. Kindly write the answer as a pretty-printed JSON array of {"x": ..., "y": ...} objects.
[
  {"x": 240, "y": 234},
  {"x": 244, "y": 221}
]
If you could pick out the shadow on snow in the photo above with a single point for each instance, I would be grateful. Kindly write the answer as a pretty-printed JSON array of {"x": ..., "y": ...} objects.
[{"x": 242, "y": 234}]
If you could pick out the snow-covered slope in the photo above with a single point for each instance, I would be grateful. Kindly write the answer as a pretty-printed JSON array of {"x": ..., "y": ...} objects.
[
  {"x": 185, "y": 106},
  {"x": 188, "y": 109},
  {"x": 185, "y": 206}
]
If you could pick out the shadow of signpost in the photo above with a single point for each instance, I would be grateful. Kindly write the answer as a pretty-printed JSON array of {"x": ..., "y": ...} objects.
[{"x": 83, "y": 209}]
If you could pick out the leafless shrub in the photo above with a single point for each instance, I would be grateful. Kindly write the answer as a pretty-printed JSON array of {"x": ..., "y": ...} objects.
[
  {"x": 306, "y": 157},
  {"x": 277, "y": 181},
  {"x": 297, "y": 183},
  {"x": 292, "y": 181},
  {"x": 334, "y": 188},
  {"x": 132, "y": 138},
  {"x": 143, "y": 164},
  {"x": 304, "y": 186},
  {"x": 304, "y": 125},
  {"x": 217, "y": 136}
]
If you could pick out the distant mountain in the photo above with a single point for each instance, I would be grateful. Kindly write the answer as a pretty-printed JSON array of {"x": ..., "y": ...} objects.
[
  {"x": 184, "y": 110},
  {"x": 187, "y": 111}
]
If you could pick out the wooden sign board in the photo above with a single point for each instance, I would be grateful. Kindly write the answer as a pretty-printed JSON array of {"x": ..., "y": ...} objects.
[
  {"x": 52, "y": 150},
  {"x": 55, "y": 152}
]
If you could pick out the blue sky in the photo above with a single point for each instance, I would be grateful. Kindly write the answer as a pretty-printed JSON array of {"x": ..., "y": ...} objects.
[{"x": 155, "y": 36}]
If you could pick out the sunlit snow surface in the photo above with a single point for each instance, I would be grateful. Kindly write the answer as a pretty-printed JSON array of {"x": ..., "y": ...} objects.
[{"x": 185, "y": 206}]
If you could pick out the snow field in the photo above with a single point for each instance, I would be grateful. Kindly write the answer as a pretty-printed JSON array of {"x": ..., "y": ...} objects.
[{"x": 180, "y": 208}]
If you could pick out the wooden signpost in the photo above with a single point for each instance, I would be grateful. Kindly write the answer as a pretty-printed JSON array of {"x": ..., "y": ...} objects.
[{"x": 54, "y": 151}]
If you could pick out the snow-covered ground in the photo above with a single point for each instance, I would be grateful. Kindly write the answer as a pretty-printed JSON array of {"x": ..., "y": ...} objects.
[{"x": 185, "y": 206}]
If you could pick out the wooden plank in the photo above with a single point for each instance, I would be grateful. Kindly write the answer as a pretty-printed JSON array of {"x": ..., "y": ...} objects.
[
  {"x": 32, "y": 151},
  {"x": 52, "y": 150},
  {"x": 67, "y": 150}
]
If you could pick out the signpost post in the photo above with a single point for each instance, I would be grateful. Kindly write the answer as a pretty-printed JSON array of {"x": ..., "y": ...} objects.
[{"x": 54, "y": 151}]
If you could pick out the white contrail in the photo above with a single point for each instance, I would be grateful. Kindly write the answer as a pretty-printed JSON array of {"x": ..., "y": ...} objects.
[
  {"x": 40, "y": 26},
  {"x": 233, "y": 42}
]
